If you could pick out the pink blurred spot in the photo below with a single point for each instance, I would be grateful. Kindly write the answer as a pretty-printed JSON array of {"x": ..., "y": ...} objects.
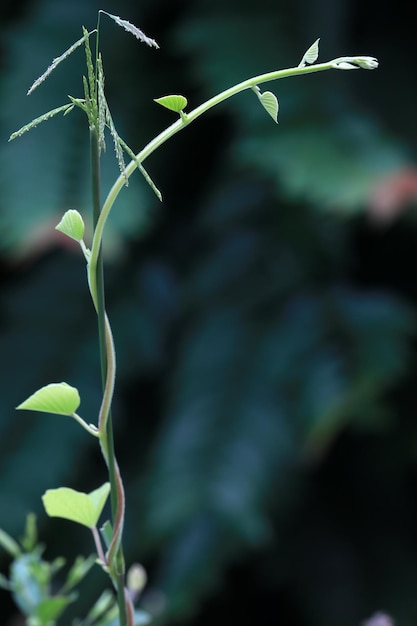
[{"x": 392, "y": 196}]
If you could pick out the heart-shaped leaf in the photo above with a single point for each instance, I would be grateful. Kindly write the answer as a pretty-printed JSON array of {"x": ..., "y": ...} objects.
[
  {"x": 173, "y": 103},
  {"x": 83, "y": 508},
  {"x": 270, "y": 104},
  {"x": 72, "y": 225},
  {"x": 58, "y": 398}
]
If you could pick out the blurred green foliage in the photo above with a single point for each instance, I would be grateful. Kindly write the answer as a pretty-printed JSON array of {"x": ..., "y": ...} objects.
[{"x": 265, "y": 405}]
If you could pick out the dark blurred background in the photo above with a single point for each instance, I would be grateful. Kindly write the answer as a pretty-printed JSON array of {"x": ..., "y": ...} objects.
[{"x": 264, "y": 314}]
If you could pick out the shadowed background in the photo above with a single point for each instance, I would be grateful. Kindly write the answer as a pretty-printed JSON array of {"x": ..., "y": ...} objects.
[{"x": 264, "y": 314}]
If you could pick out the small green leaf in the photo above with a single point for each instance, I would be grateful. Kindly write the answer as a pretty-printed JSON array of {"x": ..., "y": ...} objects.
[
  {"x": 311, "y": 55},
  {"x": 72, "y": 225},
  {"x": 83, "y": 508},
  {"x": 107, "y": 533},
  {"x": 59, "y": 398},
  {"x": 270, "y": 104},
  {"x": 173, "y": 103},
  {"x": 30, "y": 537}
]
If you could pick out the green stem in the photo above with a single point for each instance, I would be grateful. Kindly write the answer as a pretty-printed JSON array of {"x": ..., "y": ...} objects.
[
  {"x": 172, "y": 130},
  {"x": 108, "y": 369}
]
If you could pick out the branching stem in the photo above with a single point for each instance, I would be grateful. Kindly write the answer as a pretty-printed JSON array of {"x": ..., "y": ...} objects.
[
  {"x": 114, "y": 556},
  {"x": 172, "y": 130}
]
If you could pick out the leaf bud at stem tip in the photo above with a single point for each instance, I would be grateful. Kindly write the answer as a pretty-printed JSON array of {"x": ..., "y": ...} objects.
[{"x": 355, "y": 63}]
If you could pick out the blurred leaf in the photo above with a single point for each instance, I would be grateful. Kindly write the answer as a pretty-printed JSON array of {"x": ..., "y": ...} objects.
[
  {"x": 4, "y": 583},
  {"x": 334, "y": 166},
  {"x": 29, "y": 540},
  {"x": 79, "y": 570},
  {"x": 101, "y": 606},
  {"x": 30, "y": 578},
  {"x": 9, "y": 544},
  {"x": 51, "y": 608}
]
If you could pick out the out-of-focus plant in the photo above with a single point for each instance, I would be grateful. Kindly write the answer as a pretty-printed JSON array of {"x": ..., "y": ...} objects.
[{"x": 29, "y": 570}]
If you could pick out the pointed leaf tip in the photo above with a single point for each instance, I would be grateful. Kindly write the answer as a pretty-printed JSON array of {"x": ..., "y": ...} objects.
[
  {"x": 173, "y": 102},
  {"x": 58, "y": 398},
  {"x": 76, "y": 506}
]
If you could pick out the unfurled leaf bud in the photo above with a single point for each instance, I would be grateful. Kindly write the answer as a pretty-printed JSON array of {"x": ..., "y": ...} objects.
[
  {"x": 72, "y": 225},
  {"x": 366, "y": 63},
  {"x": 355, "y": 63}
]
